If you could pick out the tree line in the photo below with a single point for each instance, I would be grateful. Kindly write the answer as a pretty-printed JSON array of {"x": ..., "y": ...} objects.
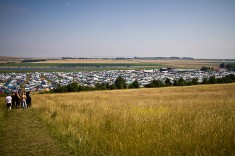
[
  {"x": 181, "y": 82},
  {"x": 120, "y": 83},
  {"x": 228, "y": 66}
]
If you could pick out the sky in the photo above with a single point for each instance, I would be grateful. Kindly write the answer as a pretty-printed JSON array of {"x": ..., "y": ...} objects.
[{"x": 118, "y": 28}]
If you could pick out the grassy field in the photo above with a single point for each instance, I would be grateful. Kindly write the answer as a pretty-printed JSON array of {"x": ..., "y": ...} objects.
[
  {"x": 187, "y": 63},
  {"x": 76, "y": 64},
  {"x": 105, "y": 64},
  {"x": 115, "y": 63},
  {"x": 23, "y": 133},
  {"x": 72, "y": 66},
  {"x": 195, "y": 120},
  {"x": 164, "y": 63}
]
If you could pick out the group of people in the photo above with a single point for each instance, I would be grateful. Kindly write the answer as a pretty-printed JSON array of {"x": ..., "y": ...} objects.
[{"x": 16, "y": 100}]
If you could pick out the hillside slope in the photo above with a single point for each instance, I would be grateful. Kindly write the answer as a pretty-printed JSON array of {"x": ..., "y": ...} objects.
[
  {"x": 21, "y": 133},
  {"x": 194, "y": 120}
]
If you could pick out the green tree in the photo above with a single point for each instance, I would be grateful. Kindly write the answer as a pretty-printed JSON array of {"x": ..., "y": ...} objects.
[
  {"x": 102, "y": 86},
  {"x": 130, "y": 86},
  {"x": 232, "y": 77},
  {"x": 85, "y": 88},
  {"x": 181, "y": 82},
  {"x": 205, "y": 81},
  {"x": 158, "y": 83},
  {"x": 120, "y": 83},
  {"x": 230, "y": 67},
  {"x": 222, "y": 65},
  {"x": 73, "y": 87},
  {"x": 61, "y": 89},
  {"x": 212, "y": 80},
  {"x": 136, "y": 84},
  {"x": 227, "y": 79},
  {"x": 195, "y": 81},
  {"x": 175, "y": 83},
  {"x": 205, "y": 68},
  {"x": 168, "y": 82},
  {"x": 112, "y": 87},
  {"x": 155, "y": 83},
  {"x": 220, "y": 80}
]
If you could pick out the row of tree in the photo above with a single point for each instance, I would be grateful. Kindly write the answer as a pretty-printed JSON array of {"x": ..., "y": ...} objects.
[
  {"x": 120, "y": 83},
  {"x": 229, "y": 66},
  {"x": 181, "y": 82}
]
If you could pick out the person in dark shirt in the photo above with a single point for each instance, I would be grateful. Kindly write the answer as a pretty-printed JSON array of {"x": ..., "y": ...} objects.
[
  {"x": 13, "y": 100},
  {"x": 17, "y": 100},
  {"x": 28, "y": 100}
]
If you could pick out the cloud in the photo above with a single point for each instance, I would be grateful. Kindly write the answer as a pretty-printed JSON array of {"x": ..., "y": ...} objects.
[{"x": 10, "y": 9}]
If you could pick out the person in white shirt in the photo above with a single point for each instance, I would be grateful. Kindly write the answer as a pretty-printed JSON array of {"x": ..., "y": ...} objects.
[{"x": 8, "y": 101}]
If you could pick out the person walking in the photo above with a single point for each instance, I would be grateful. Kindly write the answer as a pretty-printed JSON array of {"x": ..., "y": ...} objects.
[
  {"x": 8, "y": 102},
  {"x": 24, "y": 104}
]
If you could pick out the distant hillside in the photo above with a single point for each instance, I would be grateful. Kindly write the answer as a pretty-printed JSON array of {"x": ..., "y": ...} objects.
[{"x": 9, "y": 57}]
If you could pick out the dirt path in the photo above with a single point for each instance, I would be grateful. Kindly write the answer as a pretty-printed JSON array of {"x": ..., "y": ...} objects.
[{"x": 22, "y": 133}]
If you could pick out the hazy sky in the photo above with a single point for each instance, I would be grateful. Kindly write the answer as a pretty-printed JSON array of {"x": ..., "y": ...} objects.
[{"x": 124, "y": 28}]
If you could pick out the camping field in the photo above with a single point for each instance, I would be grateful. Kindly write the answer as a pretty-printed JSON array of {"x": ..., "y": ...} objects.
[{"x": 195, "y": 120}]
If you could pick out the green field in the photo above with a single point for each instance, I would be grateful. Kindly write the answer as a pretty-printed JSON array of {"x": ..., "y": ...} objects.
[
  {"x": 60, "y": 67},
  {"x": 98, "y": 65},
  {"x": 77, "y": 64}
]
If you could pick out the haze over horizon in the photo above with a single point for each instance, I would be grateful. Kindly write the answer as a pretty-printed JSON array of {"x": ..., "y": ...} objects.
[{"x": 123, "y": 28}]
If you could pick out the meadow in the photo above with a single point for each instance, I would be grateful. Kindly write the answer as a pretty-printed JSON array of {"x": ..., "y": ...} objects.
[
  {"x": 139, "y": 62},
  {"x": 121, "y": 63},
  {"x": 195, "y": 120},
  {"x": 69, "y": 66}
]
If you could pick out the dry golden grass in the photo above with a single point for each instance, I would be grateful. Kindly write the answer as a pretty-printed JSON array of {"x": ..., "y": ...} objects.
[{"x": 196, "y": 120}]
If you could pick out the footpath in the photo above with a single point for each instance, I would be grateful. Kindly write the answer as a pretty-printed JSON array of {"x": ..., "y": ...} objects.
[{"x": 22, "y": 133}]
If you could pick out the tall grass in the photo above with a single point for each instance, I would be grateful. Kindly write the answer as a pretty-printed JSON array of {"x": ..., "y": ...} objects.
[
  {"x": 3, "y": 107},
  {"x": 196, "y": 120}
]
